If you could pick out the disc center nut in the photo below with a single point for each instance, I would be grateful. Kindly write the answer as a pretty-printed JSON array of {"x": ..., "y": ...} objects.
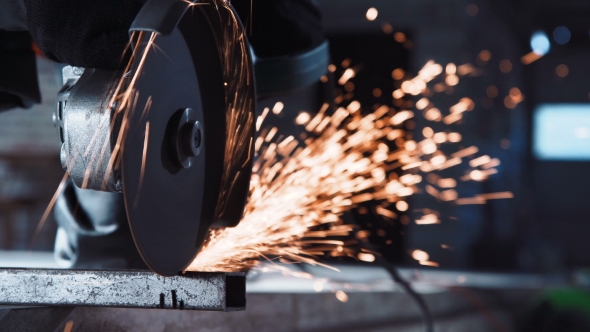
[
  {"x": 187, "y": 137},
  {"x": 192, "y": 138}
]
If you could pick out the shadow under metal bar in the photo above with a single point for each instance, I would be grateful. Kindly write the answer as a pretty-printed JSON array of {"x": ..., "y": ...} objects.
[{"x": 129, "y": 289}]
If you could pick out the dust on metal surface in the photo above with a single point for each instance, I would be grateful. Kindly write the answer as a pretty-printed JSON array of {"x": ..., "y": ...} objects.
[{"x": 132, "y": 289}]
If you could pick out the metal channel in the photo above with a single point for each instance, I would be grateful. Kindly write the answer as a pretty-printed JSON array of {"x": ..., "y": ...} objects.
[{"x": 128, "y": 289}]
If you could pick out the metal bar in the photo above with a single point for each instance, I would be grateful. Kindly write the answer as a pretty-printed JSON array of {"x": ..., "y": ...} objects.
[{"x": 130, "y": 289}]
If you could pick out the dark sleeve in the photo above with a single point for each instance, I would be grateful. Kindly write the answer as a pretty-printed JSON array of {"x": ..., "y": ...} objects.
[
  {"x": 18, "y": 71},
  {"x": 281, "y": 27},
  {"x": 12, "y": 15},
  {"x": 84, "y": 33}
]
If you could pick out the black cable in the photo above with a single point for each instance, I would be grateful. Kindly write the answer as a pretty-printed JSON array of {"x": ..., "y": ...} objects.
[{"x": 426, "y": 315}]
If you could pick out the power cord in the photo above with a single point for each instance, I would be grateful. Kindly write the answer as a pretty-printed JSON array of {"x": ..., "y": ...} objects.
[{"x": 426, "y": 315}]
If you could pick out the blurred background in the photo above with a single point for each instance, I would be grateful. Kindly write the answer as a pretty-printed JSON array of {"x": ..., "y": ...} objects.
[{"x": 524, "y": 64}]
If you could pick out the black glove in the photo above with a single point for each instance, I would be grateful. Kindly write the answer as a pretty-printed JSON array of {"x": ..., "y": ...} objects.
[{"x": 84, "y": 33}]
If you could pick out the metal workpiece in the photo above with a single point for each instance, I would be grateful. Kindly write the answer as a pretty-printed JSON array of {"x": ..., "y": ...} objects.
[{"x": 129, "y": 289}]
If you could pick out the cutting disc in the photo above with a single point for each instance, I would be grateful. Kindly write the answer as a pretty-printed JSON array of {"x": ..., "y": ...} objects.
[{"x": 184, "y": 165}]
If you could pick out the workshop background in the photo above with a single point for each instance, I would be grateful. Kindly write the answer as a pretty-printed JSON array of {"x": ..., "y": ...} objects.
[{"x": 527, "y": 71}]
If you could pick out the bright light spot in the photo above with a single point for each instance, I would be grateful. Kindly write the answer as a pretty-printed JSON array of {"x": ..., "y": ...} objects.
[
  {"x": 341, "y": 296},
  {"x": 438, "y": 160},
  {"x": 318, "y": 286},
  {"x": 447, "y": 183},
  {"x": 561, "y": 132},
  {"x": 401, "y": 206},
  {"x": 348, "y": 74},
  {"x": 407, "y": 191},
  {"x": 454, "y": 137},
  {"x": 582, "y": 133},
  {"x": 397, "y": 94},
  {"x": 427, "y": 132},
  {"x": 439, "y": 138},
  {"x": 422, "y": 103},
  {"x": 428, "y": 146},
  {"x": 479, "y": 161},
  {"x": 332, "y": 68},
  {"x": 465, "y": 104},
  {"x": 540, "y": 43},
  {"x": 372, "y": 14},
  {"x": 515, "y": 95},
  {"x": 420, "y": 255},
  {"x": 477, "y": 175},
  {"x": 433, "y": 114},
  {"x": 509, "y": 103},
  {"x": 401, "y": 117},
  {"x": 452, "y": 80},
  {"x": 406, "y": 86},
  {"x": 492, "y": 163},
  {"x": 428, "y": 219},
  {"x": 366, "y": 257},
  {"x": 417, "y": 88},
  {"x": 451, "y": 69},
  {"x": 354, "y": 106},
  {"x": 302, "y": 118},
  {"x": 562, "y": 35},
  {"x": 429, "y": 263},
  {"x": 449, "y": 195},
  {"x": 398, "y": 74},
  {"x": 278, "y": 107},
  {"x": 529, "y": 58},
  {"x": 410, "y": 145},
  {"x": 410, "y": 179}
]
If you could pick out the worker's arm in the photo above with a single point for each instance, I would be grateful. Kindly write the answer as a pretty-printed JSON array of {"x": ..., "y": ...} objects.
[
  {"x": 18, "y": 71},
  {"x": 84, "y": 33},
  {"x": 94, "y": 34}
]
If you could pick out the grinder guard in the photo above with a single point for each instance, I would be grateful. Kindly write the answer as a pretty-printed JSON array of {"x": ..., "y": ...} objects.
[{"x": 195, "y": 85}]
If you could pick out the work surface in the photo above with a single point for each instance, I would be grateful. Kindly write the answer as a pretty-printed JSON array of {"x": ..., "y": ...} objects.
[{"x": 302, "y": 298}]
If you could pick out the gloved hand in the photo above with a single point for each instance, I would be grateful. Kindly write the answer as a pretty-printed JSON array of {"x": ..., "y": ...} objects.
[
  {"x": 94, "y": 33},
  {"x": 84, "y": 33}
]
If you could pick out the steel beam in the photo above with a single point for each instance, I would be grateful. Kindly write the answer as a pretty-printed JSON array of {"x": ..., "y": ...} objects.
[{"x": 130, "y": 289}]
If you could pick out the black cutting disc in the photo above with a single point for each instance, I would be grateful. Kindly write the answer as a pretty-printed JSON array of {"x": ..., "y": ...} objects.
[{"x": 172, "y": 191}]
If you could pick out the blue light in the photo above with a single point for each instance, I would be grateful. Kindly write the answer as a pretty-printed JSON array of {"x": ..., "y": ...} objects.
[
  {"x": 562, "y": 35},
  {"x": 561, "y": 132},
  {"x": 540, "y": 43}
]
